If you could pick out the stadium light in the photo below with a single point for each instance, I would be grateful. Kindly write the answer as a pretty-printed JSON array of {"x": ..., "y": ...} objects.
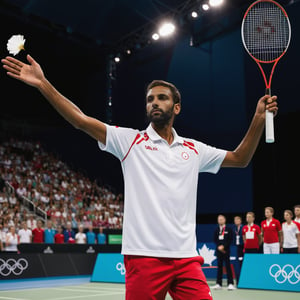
[
  {"x": 214, "y": 3},
  {"x": 155, "y": 36},
  {"x": 117, "y": 59},
  {"x": 194, "y": 14},
  {"x": 205, "y": 6},
  {"x": 166, "y": 29}
]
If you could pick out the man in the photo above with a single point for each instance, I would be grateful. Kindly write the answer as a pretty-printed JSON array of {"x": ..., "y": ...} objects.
[
  {"x": 80, "y": 236},
  {"x": 90, "y": 235},
  {"x": 239, "y": 244},
  {"x": 272, "y": 232},
  {"x": 251, "y": 234},
  {"x": 69, "y": 234},
  {"x": 38, "y": 233},
  {"x": 160, "y": 176},
  {"x": 297, "y": 213},
  {"x": 49, "y": 233},
  {"x": 223, "y": 237},
  {"x": 25, "y": 234},
  {"x": 101, "y": 237}
]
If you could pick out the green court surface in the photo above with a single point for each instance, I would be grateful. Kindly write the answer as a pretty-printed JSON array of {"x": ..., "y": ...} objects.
[{"x": 91, "y": 291}]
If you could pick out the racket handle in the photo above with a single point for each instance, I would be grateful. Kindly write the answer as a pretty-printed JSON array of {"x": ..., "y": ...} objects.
[{"x": 269, "y": 123}]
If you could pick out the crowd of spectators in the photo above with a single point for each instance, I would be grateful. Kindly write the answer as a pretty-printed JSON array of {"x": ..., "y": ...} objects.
[{"x": 65, "y": 195}]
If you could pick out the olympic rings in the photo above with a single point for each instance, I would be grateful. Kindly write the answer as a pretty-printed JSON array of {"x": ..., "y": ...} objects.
[
  {"x": 287, "y": 273},
  {"x": 121, "y": 268},
  {"x": 13, "y": 266}
]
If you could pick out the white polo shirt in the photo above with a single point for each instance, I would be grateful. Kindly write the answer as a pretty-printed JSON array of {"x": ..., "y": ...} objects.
[
  {"x": 290, "y": 234},
  {"x": 160, "y": 189}
]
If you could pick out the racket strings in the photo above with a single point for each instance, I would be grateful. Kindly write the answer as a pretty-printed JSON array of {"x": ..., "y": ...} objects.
[{"x": 266, "y": 31}]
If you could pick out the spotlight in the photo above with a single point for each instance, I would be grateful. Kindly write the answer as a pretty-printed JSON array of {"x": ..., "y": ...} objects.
[
  {"x": 128, "y": 51},
  {"x": 166, "y": 29},
  {"x": 155, "y": 36},
  {"x": 117, "y": 59},
  {"x": 194, "y": 14},
  {"x": 205, "y": 7},
  {"x": 215, "y": 2}
]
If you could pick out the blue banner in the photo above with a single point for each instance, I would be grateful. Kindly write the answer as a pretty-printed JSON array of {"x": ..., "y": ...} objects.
[
  {"x": 109, "y": 267},
  {"x": 271, "y": 272}
]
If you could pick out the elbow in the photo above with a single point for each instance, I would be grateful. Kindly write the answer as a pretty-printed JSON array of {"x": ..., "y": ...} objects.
[{"x": 79, "y": 123}]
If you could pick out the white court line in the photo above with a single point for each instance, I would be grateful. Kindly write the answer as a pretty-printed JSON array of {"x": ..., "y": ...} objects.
[
  {"x": 84, "y": 296},
  {"x": 100, "y": 288},
  {"x": 9, "y": 298}
]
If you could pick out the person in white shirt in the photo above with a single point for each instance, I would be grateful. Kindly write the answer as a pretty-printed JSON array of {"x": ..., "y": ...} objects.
[
  {"x": 12, "y": 240},
  {"x": 31, "y": 223},
  {"x": 25, "y": 234},
  {"x": 291, "y": 234},
  {"x": 297, "y": 213},
  {"x": 80, "y": 236},
  {"x": 160, "y": 171}
]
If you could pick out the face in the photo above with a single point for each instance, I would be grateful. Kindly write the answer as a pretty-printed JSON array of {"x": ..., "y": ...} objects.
[
  {"x": 160, "y": 107},
  {"x": 237, "y": 221},
  {"x": 268, "y": 213},
  {"x": 249, "y": 218},
  {"x": 221, "y": 220},
  {"x": 297, "y": 212},
  {"x": 287, "y": 216}
]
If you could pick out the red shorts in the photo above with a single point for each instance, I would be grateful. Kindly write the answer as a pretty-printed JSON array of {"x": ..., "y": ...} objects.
[{"x": 150, "y": 278}]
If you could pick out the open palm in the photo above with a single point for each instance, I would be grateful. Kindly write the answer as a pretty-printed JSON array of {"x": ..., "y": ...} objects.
[{"x": 31, "y": 73}]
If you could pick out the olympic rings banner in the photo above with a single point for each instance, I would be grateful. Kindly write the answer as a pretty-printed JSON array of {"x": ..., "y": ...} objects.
[
  {"x": 271, "y": 272},
  {"x": 109, "y": 267},
  {"x": 18, "y": 266}
]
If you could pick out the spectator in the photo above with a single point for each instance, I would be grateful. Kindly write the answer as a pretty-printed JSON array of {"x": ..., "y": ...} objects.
[
  {"x": 91, "y": 236},
  {"x": 297, "y": 213},
  {"x": 12, "y": 240},
  {"x": 38, "y": 233},
  {"x": 31, "y": 222},
  {"x": 101, "y": 237},
  {"x": 291, "y": 234},
  {"x": 80, "y": 236},
  {"x": 272, "y": 233},
  {"x": 69, "y": 234},
  {"x": 251, "y": 235},
  {"x": 238, "y": 242},
  {"x": 49, "y": 233},
  {"x": 59, "y": 237},
  {"x": 25, "y": 234},
  {"x": 223, "y": 238}
]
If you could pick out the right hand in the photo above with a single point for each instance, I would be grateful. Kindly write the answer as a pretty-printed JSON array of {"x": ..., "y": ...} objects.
[{"x": 32, "y": 74}]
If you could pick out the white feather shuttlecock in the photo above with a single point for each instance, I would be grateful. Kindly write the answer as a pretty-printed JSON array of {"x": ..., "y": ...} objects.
[{"x": 15, "y": 44}]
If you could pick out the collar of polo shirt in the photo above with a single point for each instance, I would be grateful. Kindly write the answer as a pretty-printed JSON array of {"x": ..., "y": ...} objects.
[{"x": 154, "y": 136}]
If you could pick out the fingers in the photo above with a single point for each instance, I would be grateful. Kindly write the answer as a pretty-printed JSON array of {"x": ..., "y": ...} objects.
[
  {"x": 12, "y": 65},
  {"x": 271, "y": 104}
]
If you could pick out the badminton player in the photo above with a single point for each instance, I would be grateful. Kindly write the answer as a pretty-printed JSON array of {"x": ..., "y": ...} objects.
[{"x": 160, "y": 175}]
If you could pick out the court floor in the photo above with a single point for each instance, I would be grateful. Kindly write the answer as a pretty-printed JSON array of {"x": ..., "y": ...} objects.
[{"x": 56, "y": 290}]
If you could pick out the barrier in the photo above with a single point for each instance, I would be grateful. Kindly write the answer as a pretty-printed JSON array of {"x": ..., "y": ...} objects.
[
  {"x": 19, "y": 266},
  {"x": 109, "y": 267},
  {"x": 271, "y": 272}
]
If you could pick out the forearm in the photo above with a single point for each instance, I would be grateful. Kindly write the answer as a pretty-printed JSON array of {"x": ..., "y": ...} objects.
[
  {"x": 244, "y": 152},
  {"x": 68, "y": 110}
]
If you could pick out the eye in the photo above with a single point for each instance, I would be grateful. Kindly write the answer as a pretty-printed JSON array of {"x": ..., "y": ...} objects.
[{"x": 150, "y": 99}]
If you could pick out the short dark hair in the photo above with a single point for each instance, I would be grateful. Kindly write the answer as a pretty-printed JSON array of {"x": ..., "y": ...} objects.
[
  {"x": 297, "y": 206},
  {"x": 271, "y": 209},
  {"x": 175, "y": 93},
  {"x": 251, "y": 213}
]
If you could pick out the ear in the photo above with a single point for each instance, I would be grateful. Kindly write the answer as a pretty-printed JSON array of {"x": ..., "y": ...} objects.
[{"x": 177, "y": 108}]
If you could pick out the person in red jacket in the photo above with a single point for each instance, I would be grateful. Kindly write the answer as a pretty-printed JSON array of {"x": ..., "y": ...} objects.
[
  {"x": 59, "y": 236},
  {"x": 272, "y": 232},
  {"x": 38, "y": 233},
  {"x": 251, "y": 234}
]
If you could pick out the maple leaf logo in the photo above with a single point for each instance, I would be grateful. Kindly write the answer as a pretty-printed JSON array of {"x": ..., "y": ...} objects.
[{"x": 207, "y": 254}]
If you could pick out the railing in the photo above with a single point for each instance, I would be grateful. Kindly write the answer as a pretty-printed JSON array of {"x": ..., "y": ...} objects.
[{"x": 28, "y": 203}]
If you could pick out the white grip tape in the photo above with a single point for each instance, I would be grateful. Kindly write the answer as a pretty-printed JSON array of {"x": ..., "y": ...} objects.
[{"x": 269, "y": 127}]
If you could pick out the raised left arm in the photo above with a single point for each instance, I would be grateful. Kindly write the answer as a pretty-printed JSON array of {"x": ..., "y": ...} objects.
[{"x": 243, "y": 154}]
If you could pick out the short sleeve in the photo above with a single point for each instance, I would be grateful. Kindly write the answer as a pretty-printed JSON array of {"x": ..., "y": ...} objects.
[
  {"x": 210, "y": 158},
  {"x": 118, "y": 140}
]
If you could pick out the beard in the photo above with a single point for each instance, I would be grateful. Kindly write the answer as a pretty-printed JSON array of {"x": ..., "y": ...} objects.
[{"x": 162, "y": 119}]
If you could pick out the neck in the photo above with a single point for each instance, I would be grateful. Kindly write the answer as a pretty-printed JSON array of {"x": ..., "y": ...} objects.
[
  {"x": 269, "y": 218},
  {"x": 164, "y": 131},
  {"x": 250, "y": 224},
  {"x": 289, "y": 221}
]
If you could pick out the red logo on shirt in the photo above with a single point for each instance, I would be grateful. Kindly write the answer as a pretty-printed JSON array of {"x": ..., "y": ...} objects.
[
  {"x": 185, "y": 155},
  {"x": 151, "y": 148}
]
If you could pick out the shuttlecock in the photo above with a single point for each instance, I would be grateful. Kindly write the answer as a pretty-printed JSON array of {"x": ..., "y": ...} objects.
[{"x": 15, "y": 44}]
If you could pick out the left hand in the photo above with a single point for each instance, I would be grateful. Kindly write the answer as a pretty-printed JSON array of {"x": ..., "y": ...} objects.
[{"x": 267, "y": 103}]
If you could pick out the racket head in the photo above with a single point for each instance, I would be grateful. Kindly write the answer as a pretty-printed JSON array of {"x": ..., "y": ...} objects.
[{"x": 266, "y": 31}]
